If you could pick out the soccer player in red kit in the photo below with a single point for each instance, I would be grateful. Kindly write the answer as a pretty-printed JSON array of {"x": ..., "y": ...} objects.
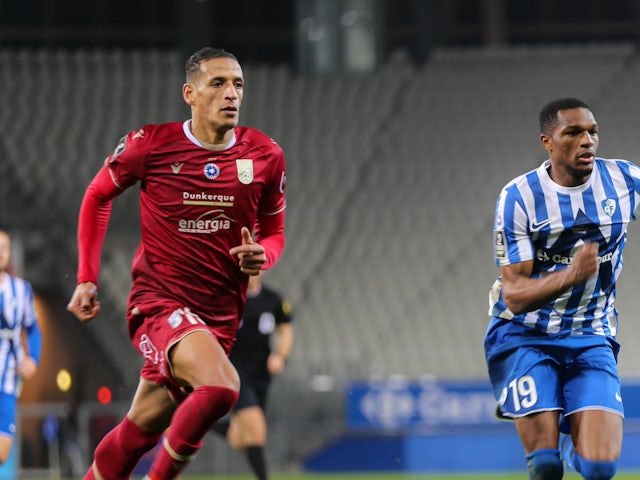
[{"x": 205, "y": 186}]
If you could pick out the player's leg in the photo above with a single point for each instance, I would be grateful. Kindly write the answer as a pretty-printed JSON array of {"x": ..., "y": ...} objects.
[
  {"x": 5, "y": 447},
  {"x": 248, "y": 431},
  {"x": 597, "y": 443},
  {"x": 8, "y": 410},
  {"x": 197, "y": 360},
  {"x": 526, "y": 383},
  {"x": 595, "y": 411},
  {"x": 538, "y": 433},
  {"x": 120, "y": 450}
]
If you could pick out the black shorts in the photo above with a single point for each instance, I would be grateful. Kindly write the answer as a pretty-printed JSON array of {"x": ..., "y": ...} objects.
[{"x": 253, "y": 392}]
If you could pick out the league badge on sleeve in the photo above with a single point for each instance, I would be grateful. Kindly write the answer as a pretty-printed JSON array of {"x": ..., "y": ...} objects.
[
  {"x": 122, "y": 145},
  {"x": 245, "y": 170},
  {"x": 499, "y": 244}
]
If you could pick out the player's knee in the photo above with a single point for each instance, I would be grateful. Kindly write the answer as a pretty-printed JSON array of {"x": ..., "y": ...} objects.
[
  {"x": 592, "y": 470},
  {"x": 545, "y": 464},
  {"x": 4, "y": 454}
]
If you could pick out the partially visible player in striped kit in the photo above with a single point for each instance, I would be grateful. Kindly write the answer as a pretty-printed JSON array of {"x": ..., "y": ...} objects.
[
  {"x": 18, "y": 359},
  {"x": 551, "y": 344}
]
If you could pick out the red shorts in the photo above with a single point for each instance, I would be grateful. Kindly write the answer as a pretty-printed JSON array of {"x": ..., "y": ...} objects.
[{"x": 160, "y": 330}]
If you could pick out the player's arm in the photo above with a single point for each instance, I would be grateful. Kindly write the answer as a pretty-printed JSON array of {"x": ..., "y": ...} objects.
[
  {"x": 29, "y": 362},
  {"x": 263, "y": 252},
  {"x": 93, "y": 221},
  {"x": 31, "y": 337},
  {"x": 284, "y": 345},
  {"x": 522, "y": 293},
  {"x": 270, "y": 234}
]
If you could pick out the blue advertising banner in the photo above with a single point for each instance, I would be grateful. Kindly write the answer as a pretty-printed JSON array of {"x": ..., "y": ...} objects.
[{"x": 394, "y": 403}]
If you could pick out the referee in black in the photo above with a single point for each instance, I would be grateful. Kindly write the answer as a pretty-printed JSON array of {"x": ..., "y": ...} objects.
[{"x": 257, "y": 357}]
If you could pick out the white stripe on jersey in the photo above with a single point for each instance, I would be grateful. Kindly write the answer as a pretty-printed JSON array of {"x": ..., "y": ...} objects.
[{"x": 537, "y": 219}]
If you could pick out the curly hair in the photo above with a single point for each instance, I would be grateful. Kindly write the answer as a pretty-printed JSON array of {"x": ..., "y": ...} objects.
[{"x": 549, "y": 113}]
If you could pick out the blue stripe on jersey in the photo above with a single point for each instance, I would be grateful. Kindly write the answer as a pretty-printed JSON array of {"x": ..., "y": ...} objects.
[
  {"x": 632, "y": 182},
  {"x": 540, "y": 205},
  {"x": 533, "y": 214},
  {"x": 514, "y": 199}
]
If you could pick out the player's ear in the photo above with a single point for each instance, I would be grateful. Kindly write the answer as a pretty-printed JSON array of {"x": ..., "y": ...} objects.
[
  {"x": 545, "y": 141},
  {"x": 187, "y": 93}
]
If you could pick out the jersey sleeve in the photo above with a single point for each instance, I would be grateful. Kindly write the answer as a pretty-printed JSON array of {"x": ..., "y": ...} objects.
[
  {"x": 273, "y": 200},
  {"x": 127, "y": 162},
  {"x": 30, "y": 324},
  {"x": 283, "y": 313},
  {"x": 633, "y": 173},
  {"x": 512, "y": 242},
  {"x": 270, "y": 231}
]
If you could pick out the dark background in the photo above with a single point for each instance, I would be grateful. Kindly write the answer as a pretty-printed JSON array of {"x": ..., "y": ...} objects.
[{"x": 265, "y": 30}]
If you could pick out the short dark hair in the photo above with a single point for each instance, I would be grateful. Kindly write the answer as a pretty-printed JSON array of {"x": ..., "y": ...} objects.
[
  {"x": 549, "y": 113},
  {"x": 207, "y": 53}
]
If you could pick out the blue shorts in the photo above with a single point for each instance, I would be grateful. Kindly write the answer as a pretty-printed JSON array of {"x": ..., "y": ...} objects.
[
  {"x": 555, "y": 376},
  {"x": 8, "y": 406}
]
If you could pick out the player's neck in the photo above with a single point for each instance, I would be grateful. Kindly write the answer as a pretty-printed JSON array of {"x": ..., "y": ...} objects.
[{"x": 212, "y": 140}]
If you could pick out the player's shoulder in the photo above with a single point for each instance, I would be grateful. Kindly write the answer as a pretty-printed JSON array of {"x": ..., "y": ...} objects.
[
  {"x": 256, "y": 137},
  {"x": 619, "y": 163},
  {"x": 154, "y": 131},
  {"x": 23, "y": 283},
  {"x": 519, "y": 181}
]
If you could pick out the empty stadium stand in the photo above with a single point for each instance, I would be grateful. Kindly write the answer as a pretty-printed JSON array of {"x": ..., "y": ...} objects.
[{"x": 392, "y": 181}]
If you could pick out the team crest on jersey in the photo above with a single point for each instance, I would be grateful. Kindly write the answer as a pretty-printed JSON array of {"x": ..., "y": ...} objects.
[
  {"x": 245, "y": 170},
  {"x": 609, "y": 206},
  {"x": 211, "y": 171}
]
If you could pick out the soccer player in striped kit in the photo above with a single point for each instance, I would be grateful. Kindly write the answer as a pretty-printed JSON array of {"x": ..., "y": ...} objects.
[
  {"x": 212, "y": 208},
  {"x": 551, "y": 344},
  {"x": 17, "y": 314}
]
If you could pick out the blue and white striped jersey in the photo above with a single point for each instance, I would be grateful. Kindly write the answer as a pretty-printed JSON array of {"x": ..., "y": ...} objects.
[
  {"x": 17, "y": 312},
  {"x": 537, "y": 219}
]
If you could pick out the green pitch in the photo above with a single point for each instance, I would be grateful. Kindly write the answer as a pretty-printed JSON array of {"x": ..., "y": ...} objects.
[{"x": 375, "y": 476}]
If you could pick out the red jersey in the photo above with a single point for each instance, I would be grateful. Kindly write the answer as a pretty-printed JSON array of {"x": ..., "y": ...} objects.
[{"x": 193, "y": 203}]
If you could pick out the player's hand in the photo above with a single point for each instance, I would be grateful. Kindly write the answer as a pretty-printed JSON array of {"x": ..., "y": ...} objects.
[
  {"x": 250, "y": 254},
  {"x": 585, "y": 263},
  {"x": 27, "y": 368},
  {"x": 276, "y": 363},
  {"x": 84, "y": 303}
]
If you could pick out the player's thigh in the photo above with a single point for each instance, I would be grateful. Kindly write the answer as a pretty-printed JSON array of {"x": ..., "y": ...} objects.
[
  {"x": 538, "y": 430},
  {"x": 152, "y": 407},
  {"x": 5, "y": 447},
  {"x": 526, "y": 380},
  {"x": 198, "y": 359},
  {"x": 597, "y": 434},
  {"x": 591, "y": 382},
  {"x": 594, "y": 404},
  {"x": 8, "y": 409}
]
